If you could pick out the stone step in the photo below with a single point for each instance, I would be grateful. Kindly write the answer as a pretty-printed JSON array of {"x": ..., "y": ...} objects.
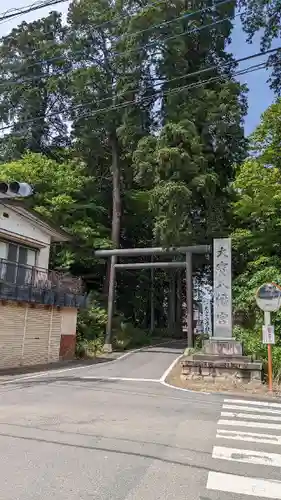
[{"x": 223, "y": 358}]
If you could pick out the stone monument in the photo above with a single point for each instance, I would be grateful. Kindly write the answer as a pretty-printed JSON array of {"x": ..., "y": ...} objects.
[
  {"x": 222, "y": 356},
  {"x": 222, "y": 342}
]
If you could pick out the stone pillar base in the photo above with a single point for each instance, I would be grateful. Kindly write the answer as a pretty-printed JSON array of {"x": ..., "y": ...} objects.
[
  {"x": 223, "y": 347},
  {"x": 222, "y": 359}
]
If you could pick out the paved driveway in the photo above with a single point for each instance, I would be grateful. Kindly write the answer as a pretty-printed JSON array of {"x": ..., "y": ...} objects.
[{"x": 113, "y": 431}]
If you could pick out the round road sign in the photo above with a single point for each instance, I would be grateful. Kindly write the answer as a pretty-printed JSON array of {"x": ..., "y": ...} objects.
[{"x": 268, "y": 297}]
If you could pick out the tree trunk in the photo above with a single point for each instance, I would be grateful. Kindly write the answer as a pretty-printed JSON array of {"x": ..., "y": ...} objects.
[
  {"x": 179, "y": 305},
  {"x": 171, "y": 304},
  {"x": 116, "y": 195},
  {"x": 116, "y": 202}
]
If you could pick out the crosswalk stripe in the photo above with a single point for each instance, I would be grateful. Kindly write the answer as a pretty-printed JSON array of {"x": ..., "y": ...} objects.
[
  {"x": 250, "y": 416},
  {"x": 247, "y": 456},
  {"x": 242, "y": 485},
  {"x": 251, "y": 402},
  {"x": 250, "y": 409},
  {"x": 246, "y": 423},
  {"x": 253, "y": 437}
]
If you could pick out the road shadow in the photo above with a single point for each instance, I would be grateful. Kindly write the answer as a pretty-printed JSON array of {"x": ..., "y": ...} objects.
[
  {"x": 103, "y": 437},
  {"x": 170, "y": 346},
  {"x": 60, "y": 365},
  {"x": 108, "y": 449},
  {"x": 48, "y": 380},
  {"x": 169, "y": 350}
]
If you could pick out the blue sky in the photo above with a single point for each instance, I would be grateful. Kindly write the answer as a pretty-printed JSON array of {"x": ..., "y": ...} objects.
[{"x": 259, "y": 97}]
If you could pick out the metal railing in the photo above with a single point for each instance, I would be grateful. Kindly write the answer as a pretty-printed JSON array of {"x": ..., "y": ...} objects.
[{"x": 23, "y": 275}]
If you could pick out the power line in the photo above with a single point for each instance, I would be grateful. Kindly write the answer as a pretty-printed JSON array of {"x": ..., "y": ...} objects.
[
  {"x": 179, "y": 18},
  {"x": 159, "y": 81},
  {"x": 181, "y": 77},
  {"x": 32, "y": 7},
  {"x": 18, "y": 12},
  {"x": 159, "y": 2},
  {"x": 173, "y": 37},
  {"x": 158, "y": 93},
  {"x": 149, "y": 44},
  {"x": 175, "y": 91},
  {"x": 9, "y": 14},
  {"x": 79, "y": 106},
  {"x": 200, "y": 28}
]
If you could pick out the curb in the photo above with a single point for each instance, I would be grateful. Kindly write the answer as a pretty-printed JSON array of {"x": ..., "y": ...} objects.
[
  {"x": 215, "y": 393},
  {"x": 97, "y": 365}
]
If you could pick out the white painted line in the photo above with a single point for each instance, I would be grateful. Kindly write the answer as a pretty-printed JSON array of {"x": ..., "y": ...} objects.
[
  {"x": 246, "y": 423},
  {"x": 121, "y": 379},
  {"x": 250, "y": 402},
  {"x": 166, "y": 373},
  {"x": 250, "y": 416},
  {"x": 98, "y": 365},
  {"x": 253, "y": 486},
  {"x": 247, "y": 456},
  {"x": 251, "y": 409},
  {"x": 182, "y": 388},
  {"x": 252, "y": 437}
]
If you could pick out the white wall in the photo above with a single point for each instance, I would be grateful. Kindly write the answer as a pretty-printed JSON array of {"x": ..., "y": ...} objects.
[
  {"x": 43, "y": 257},
  {"x": 68, "y": 321},
  {"x": 26, "y": 230}
]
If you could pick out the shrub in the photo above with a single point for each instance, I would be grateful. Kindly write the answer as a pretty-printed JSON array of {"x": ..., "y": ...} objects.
[
  {"x": 91, "y": 323},
  {"x": 128, "y": 336},
  {"x": 253, "y": 346}
]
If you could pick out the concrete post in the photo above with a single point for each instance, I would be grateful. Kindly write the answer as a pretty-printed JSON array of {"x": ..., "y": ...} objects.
[
  {"x": 110, "y": 306},
  {"x": 189, "y": 301}
]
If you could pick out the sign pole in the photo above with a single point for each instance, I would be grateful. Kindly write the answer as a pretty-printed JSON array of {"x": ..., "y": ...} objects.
[
  {"x": 269, "y": 367},
  {"x": 268, "y": 298},
  {"x": 267, "y": 322}
]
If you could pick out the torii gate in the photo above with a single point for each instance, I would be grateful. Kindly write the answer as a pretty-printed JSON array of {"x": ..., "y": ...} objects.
[
  {"x": 137, "y": 252},
  {"x": 222, "y": 283}
]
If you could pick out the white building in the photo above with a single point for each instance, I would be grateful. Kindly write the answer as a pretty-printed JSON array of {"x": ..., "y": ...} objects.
[{"x": 38, "y": 307}]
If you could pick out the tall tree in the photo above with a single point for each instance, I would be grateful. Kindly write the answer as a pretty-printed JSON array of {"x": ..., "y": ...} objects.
[
  {"x": 33, "y": 59},
  {"x": 58, "y": 188},
  {"x": 265, "y": 141},
  {"x": 201, "y": 101},
  {"x": 263, "y": 17},
  {"x": 258, "y": 194},
  {"x": 107, "y": 87},
  {"x": 257, "y": 211}
]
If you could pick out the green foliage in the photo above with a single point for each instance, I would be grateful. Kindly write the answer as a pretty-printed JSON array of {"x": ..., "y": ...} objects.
[
  {"x": 257, "y": 236},
  {"x": 253, "y": 346},
  {"x": 151, "y": 150},
  {"x": 91, "y": 323},
  {"x": 174, "y": 165},
  {"x": 257, "y": 206},
  {"x": 59, "y": 189},
  {"x": 32, "y": 90},
  {"x": 246, "y": 284},
  {"x": 265, "y": 141},
  {"x": 56, "y": 184},
  {"x": 262, "y": 17},
  {"x": 127, "y": 336}
]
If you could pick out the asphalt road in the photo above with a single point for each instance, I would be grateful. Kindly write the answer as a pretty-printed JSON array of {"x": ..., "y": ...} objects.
[{"x": 113, "y": 431}]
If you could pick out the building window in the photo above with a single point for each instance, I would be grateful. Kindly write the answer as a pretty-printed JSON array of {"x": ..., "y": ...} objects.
[{"x": 18, "y": 263}]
